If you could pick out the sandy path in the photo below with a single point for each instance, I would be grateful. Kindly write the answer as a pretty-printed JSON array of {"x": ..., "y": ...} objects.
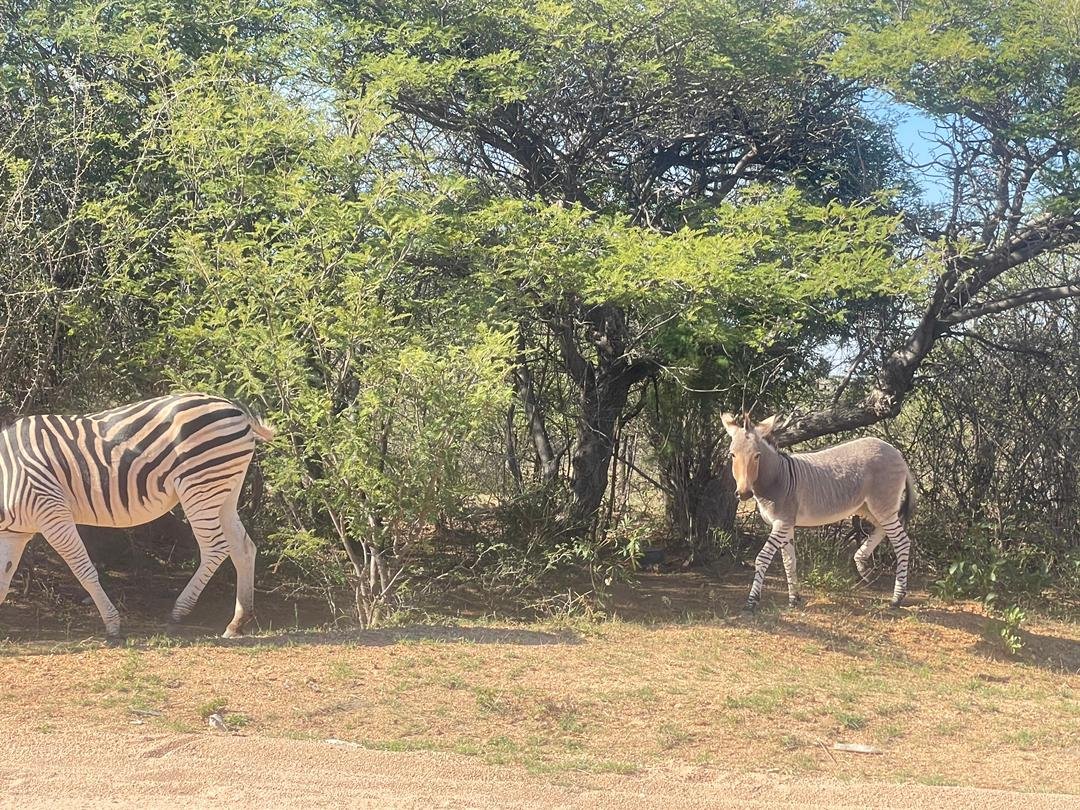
[{"x": 163, "y": 769}]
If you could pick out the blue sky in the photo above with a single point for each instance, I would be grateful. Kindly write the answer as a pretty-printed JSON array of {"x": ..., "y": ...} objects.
[{"x": 914, "y": 132}]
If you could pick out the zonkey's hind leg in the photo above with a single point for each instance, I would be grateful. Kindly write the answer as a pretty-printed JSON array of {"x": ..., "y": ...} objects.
[
  {"x": 862, "y": 556},
  {"x": 901, "y": 544},
  {"x": 791, "y": 570}
]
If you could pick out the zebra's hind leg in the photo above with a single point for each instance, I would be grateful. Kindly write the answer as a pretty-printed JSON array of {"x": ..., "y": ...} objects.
[
  {"x": 242, "y": 550},
  {"x": 12, "y": 545},
  {"x": 65, "y": 539},
  {"x": 212, "y": 552},
  {"x": 204, "y": 517}
]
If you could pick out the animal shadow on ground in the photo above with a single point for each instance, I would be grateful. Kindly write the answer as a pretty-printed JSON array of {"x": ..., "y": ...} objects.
[
  {"x": 142, "y": 637},
  {"x": 1056, "y": 653}
]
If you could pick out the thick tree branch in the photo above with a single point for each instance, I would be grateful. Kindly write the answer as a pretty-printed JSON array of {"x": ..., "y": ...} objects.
[
  {"x": 949, "y": 305},
  {"x": 1012, "y": 301}
]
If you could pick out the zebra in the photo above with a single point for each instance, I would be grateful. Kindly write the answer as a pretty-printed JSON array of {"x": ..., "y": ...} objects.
[
  {"x": 865, "y": 477},
  {"x": 125, "y": 467}
]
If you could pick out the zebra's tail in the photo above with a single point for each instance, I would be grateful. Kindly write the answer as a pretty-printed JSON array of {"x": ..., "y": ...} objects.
[
  {"x": 908, "y": 505},
  {"x": 263, "y": 431}
]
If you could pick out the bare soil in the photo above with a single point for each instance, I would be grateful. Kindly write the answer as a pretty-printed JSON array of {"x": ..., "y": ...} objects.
[
  {"x": 165, "y": 770},
  {"x": 672, "y": 698}
]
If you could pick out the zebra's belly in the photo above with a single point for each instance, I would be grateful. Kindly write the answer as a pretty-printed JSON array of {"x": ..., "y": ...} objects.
[
  {"x": 135, "y": 514},
  {"x": 18, "y": 523}
]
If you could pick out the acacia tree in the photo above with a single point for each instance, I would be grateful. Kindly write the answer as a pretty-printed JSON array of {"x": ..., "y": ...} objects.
[
  {"x": 1001, "y": 83},
  {"x": 647, "y": 110}
]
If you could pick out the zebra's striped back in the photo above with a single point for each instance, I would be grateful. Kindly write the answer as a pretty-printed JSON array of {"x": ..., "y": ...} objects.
[{"x": 124, "y": 466}]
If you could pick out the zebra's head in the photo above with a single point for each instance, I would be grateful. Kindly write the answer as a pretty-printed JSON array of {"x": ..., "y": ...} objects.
[{"x": 747, "y": 443}]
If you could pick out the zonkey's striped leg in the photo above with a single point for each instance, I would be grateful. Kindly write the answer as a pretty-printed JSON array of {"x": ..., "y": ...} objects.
[
  {"x": 901, "y": 544},
  {"x": 782, "y": 534},
  {"x": 862, "y": 556},
  {"x": 790, "y": 569}
]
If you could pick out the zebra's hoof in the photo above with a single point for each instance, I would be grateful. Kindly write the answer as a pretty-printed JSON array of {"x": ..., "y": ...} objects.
[
  {"x": 749, "y": 609},
  {"x": 231, "y": 633},
  {"x": 897, "y": 602},
  {"x": 115, "y": 640},
  {"x": 795, "y": 602}
]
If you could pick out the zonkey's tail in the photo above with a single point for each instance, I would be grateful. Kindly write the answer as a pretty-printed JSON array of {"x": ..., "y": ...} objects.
[{"x": 908, "y": 506}]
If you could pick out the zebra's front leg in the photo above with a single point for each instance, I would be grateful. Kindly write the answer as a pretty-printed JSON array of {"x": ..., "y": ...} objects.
[
  {"x": 67, "y": 542},
  {"x": 901, "y": 544},
  {"x": 790, "y": 569},
  {"x": 780, "y": 537},
  {"x": 12, "y": 545}
]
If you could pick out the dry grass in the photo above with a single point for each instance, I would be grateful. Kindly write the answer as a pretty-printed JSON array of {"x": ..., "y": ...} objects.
[{"x": 671, "y": 680}]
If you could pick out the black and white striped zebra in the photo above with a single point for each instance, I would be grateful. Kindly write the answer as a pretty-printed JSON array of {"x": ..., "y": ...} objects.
[{"x": 125, "y": 467}]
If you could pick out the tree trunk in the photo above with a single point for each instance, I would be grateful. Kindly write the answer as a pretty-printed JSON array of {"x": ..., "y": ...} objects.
[
  {"x": 603, "y": 401},
  {"x": 700, "y": 504},
  {"x": 534, "y": 417},
  {"x": 605, "y": 387},
  {"x": 513, "y": 467}
]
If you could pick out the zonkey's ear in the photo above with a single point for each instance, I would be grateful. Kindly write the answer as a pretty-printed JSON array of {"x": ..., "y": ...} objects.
[
  {"x": 731, "y": 424},
  {"x": 766, "y": 428}
]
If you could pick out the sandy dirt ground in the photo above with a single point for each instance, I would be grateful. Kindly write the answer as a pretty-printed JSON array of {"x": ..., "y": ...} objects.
[
  {"x": 674, "y": 701},
  {"x": 163, "y": 770}
]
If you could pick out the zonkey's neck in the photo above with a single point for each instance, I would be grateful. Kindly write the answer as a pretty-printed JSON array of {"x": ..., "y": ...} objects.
[{"x": 772, "y": 478}]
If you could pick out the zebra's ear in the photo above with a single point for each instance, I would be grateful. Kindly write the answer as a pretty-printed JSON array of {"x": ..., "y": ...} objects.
[
  {"x": 731, "y": 424},
  {"x": 765, "y": 429}
]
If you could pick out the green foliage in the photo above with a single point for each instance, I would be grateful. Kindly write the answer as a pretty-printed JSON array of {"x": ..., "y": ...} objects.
[
  {"x": 1008, "y": 629},
  {"x": 1009, "y": 68},
  {"x": 1002, "y": 578},
  {"x": 828, "y": 579},
  {"x": 994, "y": 573},
  {"x": 638, "y": 108}
]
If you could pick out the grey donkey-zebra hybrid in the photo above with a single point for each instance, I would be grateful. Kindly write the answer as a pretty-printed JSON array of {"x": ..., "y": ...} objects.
[
  {"x": 125, "y": 467},
  {"x": 865, "y": 477}
]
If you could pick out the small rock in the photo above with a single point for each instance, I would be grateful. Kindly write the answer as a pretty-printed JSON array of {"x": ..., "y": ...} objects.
[
  {"x": 856, "y": 748},
  {"x": 216, "y": 721},
  {"x": 346, "y": 743}
]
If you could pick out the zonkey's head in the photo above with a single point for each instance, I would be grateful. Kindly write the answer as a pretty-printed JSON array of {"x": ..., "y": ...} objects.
[{"x": 747, "y": 442}]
